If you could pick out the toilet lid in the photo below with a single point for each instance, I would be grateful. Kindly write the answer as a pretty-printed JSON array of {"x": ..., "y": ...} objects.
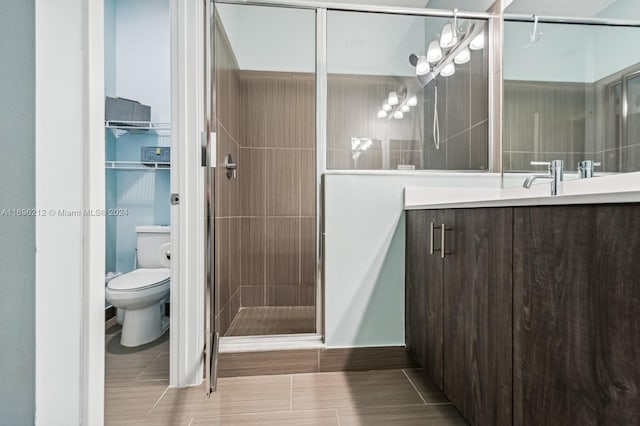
[{"x": 140, "y": 278}]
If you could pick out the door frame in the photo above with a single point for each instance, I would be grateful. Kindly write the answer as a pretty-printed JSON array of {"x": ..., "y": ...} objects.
[{"x": 188, "y": 180}]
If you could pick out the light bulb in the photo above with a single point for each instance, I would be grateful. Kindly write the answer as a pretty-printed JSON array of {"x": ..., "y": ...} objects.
[
  {"x": 434, "y": 53},
  {"x": 386, "y": 107},
  {"x": 448, "y": 70},
  {"x": 382, "y": 113},
  {"x": 422, "y": 67},
  {"x": 478, "y": 42},
  {"x": 405, "y": 108},
  {"x": 463, "y": 57},
  {"x": 398, "y": 115},
  {"x": 412, "y": 101},
  {"x": 447, "y": 39},
  {"x": 393, "y": 98}
]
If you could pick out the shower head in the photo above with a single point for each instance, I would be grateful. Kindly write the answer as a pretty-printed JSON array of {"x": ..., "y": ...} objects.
[{"x": 413, "y": 59}]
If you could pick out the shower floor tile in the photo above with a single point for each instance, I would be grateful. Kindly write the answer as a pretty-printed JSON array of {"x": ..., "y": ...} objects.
[{"x": 265, "y": 320}]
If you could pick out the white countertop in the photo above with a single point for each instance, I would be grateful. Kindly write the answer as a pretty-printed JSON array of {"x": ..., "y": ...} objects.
[{"x": 621, "y": 188}]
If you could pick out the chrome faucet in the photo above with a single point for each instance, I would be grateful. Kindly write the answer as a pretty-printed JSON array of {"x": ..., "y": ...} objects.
[
  {"x": 586, "y": 168},
  {"x": 556, "y": 175}
]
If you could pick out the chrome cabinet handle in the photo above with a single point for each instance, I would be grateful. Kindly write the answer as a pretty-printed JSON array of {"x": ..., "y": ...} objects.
[{"x": 442, "y": 240}]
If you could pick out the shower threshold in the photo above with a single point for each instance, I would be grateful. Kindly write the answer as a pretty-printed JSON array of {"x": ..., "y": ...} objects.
[{"x": 235, "y": 344}]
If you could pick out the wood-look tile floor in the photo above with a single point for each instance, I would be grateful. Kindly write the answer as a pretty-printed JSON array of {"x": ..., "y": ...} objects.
[
  {"x": 265, "y": 320},
  {"x": 137, "y": 393}
]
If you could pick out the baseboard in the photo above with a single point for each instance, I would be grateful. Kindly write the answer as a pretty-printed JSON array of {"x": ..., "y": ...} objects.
[{"x": 313, "y": 361}]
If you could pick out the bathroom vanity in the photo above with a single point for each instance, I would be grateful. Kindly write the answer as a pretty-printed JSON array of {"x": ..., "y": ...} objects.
[{"x": 525, "y": 312}]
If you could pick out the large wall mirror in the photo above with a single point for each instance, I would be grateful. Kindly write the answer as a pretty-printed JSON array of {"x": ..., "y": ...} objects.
[
  {"x": 571, "y": 90},
  {"x": 406, "y": 92}
]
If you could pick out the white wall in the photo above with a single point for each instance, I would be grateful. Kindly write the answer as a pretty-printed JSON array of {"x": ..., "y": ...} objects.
[
  {"x": 17, "y": 233},
  {"x": 69, "y": 267},
  {"x": 142, "y": 54},
  {"x": 110, "y": 47},
  {"x": 137, "y": 66},
  {"x": 573, "y": 53},
  {"x": 364, "y": 254},
  {"x": 563, "y": 53},
  {"x": 617, "y": 48}
]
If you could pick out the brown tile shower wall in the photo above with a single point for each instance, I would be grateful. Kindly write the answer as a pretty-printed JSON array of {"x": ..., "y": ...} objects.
[
  {"x": 276, "y": 176},
  {"x": 353, "y": 102},
  {"x": 463, "y": 117},
  {"x": 227, "y": 218},
  {"x": 546, "y": 121}
]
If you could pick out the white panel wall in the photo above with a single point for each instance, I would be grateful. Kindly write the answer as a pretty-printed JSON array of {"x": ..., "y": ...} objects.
[
  {"x": 69, "y": 265},
  {"x": 364, "y": 249}
]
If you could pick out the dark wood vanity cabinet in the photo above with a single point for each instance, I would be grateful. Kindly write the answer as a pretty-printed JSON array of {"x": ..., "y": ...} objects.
[
  {"x": 576, "y": 307},
  {"x": 424, "y": 303},
  {"x": 533, "y": 315},
  {"x": 458, "y": 307}
]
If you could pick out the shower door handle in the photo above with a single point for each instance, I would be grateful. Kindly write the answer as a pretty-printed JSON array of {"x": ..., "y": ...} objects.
[{"x": 231, "y": 167}]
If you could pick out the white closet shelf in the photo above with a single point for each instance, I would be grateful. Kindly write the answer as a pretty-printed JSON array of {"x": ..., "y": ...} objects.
[
  {"x": 121, "y": 128},
  {"x": 136, "y": 165}
]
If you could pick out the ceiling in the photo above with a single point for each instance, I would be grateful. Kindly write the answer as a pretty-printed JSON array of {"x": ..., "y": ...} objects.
[
  {"x": 582, "y": 8},
  {"x": 397, "y": 3}
]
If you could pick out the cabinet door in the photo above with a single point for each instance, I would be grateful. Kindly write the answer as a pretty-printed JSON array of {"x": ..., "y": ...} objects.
[
  {"x": 576, "y": 307},
  {"x": 478, "y": 314},
  {"x": 423, "y": 316}
]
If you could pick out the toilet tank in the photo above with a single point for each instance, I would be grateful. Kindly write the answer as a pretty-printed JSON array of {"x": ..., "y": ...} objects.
[{"x": 153, "y": 245}]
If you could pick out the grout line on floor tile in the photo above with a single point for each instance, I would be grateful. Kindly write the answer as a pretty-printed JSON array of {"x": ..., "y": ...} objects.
[
  {"x": 191, "y": 421},
  {"x": 337, "y": 416},
  {"x": 147, "y": 366},
  {"x": 156, "y": 403},
  {"x": 291, "y": 399},
  {"x": 414, "y": 386},
  {"x": 261, "y": 413}
]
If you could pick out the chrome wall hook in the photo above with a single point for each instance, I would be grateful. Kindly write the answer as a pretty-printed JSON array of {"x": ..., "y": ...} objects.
[
  {"x": 534, "y": 36},
  {"x": 455, "y": 23}
]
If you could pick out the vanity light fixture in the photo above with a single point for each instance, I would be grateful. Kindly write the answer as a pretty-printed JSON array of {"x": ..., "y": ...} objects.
[
  {"x": 382, "y": 114},
  {"x": 405, "y": 108},
  {"x": 422, "y": 67},
  {"x": 434, "y": 52},
  {"x": 398, "y": 115},
  {"x": 386, "y": 107},
  {"x": 463, "y": 57},
  {"x": 478, "y": 42},
  {"x": 448, "y": 70},
  {"x": 393, "y": 99},
  {"x": 412, "y": 101}
]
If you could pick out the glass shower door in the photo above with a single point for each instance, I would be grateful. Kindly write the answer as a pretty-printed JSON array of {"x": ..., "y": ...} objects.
[{"x": 265, "y": 208}]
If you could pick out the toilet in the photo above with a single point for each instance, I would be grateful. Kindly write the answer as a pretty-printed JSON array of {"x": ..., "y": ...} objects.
[{"x": 140, "y": 295}]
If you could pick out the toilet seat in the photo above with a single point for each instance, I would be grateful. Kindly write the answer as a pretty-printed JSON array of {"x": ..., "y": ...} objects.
[{"x": 140, "y": 279}]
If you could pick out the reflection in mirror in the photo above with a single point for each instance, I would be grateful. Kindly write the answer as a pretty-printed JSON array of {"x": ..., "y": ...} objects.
[
  {"x": 406, "y": 92},
  {"x": 572, "y": 94}
]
